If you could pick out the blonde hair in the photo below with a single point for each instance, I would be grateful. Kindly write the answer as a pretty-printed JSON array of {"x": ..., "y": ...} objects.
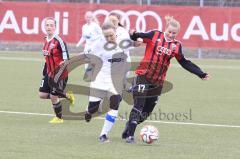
[
  {"x": 114, "y": 20},
  {"x": 51, "y": 18},
  {"x": 93, "y": 18},
  {"x": 108, "y": 24},
  {"x": 173, "y": 22},
  {"x": 118, "y": 16},
  {"x": 88, "y": 14}
]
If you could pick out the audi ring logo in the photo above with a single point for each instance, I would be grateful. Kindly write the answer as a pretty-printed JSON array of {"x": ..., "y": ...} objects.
[{"x": 141, "y": 23}]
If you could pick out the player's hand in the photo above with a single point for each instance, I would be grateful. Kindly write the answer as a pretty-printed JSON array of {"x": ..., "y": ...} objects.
[
  {"x": 207, "y": 77},
  {"x": 131, "y": 32}
]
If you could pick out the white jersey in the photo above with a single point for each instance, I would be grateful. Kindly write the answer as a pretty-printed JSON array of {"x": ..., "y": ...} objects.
[
  {"x": 113, "y": 71},
  {"x": 123, "y": 34},
  {"x": 90, "y": 33}
]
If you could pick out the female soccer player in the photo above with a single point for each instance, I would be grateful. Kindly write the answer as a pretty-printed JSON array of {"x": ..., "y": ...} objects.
[
  {"x": 55, "y": 52},
  {"x": 110, "y": 79},
  {"x": 121, "y": 32},
  {"x": 91, "y": 32},
  {"x": 150, "y": 75}
]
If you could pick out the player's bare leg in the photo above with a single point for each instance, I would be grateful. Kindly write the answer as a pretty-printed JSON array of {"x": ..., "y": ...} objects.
[{"x": 44, "y": 95}]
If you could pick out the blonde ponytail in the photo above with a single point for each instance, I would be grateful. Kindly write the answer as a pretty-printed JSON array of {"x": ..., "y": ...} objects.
[
  {"x": 171, "y": 21},
  {"x": 114, "y": 20}
]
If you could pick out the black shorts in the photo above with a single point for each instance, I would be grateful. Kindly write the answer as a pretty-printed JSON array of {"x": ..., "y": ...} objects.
[
  {"x": 145, "y": 89},
  {"x": 46, "y": 88},
  {"x": 145, "y": 95}
]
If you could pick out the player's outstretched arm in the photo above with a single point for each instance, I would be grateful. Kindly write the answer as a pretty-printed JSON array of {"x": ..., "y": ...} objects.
[
  {"x": 135, "y": 35},
  {"x": 189, "y": 66},
  {"x": 193, "y": 68}
]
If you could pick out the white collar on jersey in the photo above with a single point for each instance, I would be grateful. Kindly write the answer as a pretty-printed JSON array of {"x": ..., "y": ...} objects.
[
  {"x": 50, "y": 38},
  {"x": 166, "y": 38}
]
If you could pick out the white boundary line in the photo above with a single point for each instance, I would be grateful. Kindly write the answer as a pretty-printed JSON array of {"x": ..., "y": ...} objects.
[
  {"x": 149, "y": 121},
  {"x": 21, "y": 59}
]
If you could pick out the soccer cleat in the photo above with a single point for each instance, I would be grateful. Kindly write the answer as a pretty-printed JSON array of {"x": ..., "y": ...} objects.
[
  {"x": 88, "y": 117},
  {"x": 130, "y": 140},
  {"x": 56, "y": 120},
  {"x": 70, "y": 97},
  {"x": 125, "y": 132},
  {"x": 103, "y": 138}
]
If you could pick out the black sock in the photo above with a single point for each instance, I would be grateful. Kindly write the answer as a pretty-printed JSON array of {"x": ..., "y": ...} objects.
[
  {"x": 133, "y": 121},
  {"x": 132, "y": 127},
  {"x": 93, "y": 107},
  {"x": 58, "y": 109}
]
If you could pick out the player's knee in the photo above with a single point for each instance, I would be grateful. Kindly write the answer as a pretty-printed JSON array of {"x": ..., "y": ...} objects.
[
  {"x": 43, "y": 95},
  {"x": 93, "y": 107},
  {"x": 54, "y": 99},
  {"x": 115, "y": 101}
]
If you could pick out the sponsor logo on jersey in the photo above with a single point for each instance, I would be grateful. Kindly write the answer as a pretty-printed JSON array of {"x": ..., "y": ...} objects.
[
  {"x": 45, "y": 53},
  {"x": 162, "y": 50}
]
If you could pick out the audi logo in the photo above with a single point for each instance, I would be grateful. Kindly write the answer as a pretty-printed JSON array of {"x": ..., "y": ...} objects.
[{"x": 141, "y": 23}]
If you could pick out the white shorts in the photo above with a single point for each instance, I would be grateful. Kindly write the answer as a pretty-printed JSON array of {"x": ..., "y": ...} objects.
[{"x": 100, "y": 90}]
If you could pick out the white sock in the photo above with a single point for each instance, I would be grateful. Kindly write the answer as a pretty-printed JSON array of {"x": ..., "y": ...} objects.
[{"x": 109, "y": 121}]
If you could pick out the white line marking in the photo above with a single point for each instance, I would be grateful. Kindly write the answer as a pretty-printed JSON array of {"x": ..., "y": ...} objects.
[
  {"x": 229, "y": 67},
  {"x": 149, "y": 121},
  {"x": 195, "y": 124},
  {"x": 25, "y": 113},
  {"x": 21, "y": 59}
]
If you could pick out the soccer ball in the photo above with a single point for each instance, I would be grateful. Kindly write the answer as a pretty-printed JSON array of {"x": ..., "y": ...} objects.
[{"x": 149, "y": 134}]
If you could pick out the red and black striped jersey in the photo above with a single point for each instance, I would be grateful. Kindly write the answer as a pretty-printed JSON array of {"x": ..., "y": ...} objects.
[
  {"x": 55, "y": 51},
  {"x": 158, "y": 54}
]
